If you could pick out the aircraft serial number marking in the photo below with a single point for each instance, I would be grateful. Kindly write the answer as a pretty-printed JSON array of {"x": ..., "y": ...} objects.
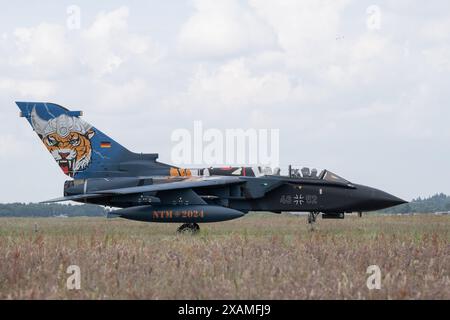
[
  {"x": 170, "y": 214},
  {"x": 298, "y": 199}
]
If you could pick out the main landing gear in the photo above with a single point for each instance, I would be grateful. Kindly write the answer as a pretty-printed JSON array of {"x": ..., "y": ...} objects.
[
  {"x": 192, "y": 228},
  {"x": 312, "y": 217}
]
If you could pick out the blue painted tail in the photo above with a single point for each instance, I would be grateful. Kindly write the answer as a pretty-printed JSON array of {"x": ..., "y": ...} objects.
[{"x": 81, "y": 150}]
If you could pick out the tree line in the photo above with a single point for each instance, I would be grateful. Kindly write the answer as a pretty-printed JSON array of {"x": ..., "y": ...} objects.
[
  {"x": 437, "y": 203},
  {"x": 50, "y": 210}
]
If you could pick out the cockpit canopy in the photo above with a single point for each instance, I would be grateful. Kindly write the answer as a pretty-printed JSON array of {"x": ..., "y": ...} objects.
[
  {"x": 312, "y": 174},
  {"x": 332, "y": 177},
  {"x": 303, "y": 173}
]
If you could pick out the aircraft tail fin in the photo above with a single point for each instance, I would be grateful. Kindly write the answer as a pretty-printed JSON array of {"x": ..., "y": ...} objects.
[{"x": 80, "y": 149}]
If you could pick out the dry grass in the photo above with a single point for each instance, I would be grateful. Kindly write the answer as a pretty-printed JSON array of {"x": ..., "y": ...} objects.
[{"x": 257, "y": 257}]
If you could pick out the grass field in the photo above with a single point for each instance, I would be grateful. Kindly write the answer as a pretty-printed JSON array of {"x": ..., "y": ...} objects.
[{"x": 256, "y": 257}]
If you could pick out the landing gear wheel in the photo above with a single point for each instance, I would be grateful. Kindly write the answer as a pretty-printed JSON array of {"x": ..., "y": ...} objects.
[
  {"x": 192, "y": 228},
  {"x": 312, "y": 216}
]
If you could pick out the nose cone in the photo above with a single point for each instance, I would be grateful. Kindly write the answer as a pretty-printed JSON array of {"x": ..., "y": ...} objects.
[{"x": 374, "y": 199}]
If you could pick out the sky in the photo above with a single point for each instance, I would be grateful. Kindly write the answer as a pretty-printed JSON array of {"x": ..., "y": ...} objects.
[{"x": 357, "y": 87}]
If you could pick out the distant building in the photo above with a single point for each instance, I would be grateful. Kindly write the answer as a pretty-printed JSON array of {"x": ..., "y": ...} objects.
[{"x": 61, "y": 216}]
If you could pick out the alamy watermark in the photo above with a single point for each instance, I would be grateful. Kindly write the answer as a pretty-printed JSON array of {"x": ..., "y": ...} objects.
[
  {"x": 230, "y": 146},
  {"x": 74, "y": 280},
  {"x": 374, "y": 280},
  {"x": 73, "y": 21},
  {"x": 374, "y": 15}
]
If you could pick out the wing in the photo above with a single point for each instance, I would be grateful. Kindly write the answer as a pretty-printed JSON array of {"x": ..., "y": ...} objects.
[
  {"x": 77, "y": 197},
  {"x": 185, "y": 184},
  {"x": 166, "y": 186}
]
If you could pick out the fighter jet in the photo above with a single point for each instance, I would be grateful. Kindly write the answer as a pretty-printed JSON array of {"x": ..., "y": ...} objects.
[{"x": 103, "y": 172}]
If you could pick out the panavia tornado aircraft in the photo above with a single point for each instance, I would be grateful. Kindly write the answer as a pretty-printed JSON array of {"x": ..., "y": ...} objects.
[{"x": 103, "y": 172}]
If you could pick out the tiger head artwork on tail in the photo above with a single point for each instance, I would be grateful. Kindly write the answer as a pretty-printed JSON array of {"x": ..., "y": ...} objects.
[
  {"x": 83, "y": 151},
  {"x": 67, "y": 138}
]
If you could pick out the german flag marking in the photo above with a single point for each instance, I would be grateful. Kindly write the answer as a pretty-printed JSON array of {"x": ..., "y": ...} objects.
[{"x": 105, "y": 144}]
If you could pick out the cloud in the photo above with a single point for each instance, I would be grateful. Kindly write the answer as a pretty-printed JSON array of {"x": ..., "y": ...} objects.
[
  {"x": 361, "y": 62},
  {"x": 310, "y": 68},
  {"x": 44, "y": 49},
  {"x": 233, "y": 86},
  {"x": 36, "y": 89},
  {"x": 438, "y": 57},
  {"x": 223, "y": 28},
  {"x": 363, "y": 82},
  {"x": 37, "y": 61},
  {"x": 437, "y": 53},
  {"x": 305, "y": 29},
  {"x": 113, "y": 97},
  {"x": 104, "y": 47},
  {"x": 437, "y": 30},
  {"x": 109, "y": 45},
  {"x": 11, "y": 146}
]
